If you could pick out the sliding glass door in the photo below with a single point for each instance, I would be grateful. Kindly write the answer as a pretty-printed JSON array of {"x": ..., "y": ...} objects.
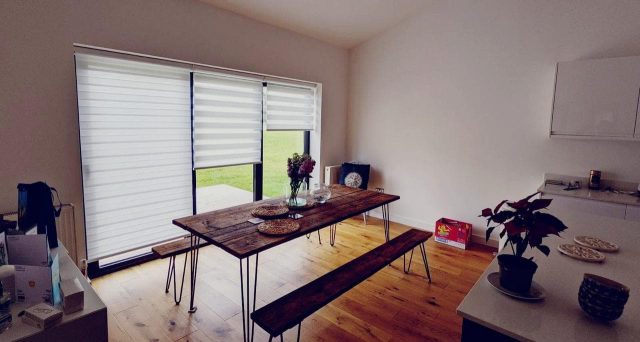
[{"x": 135, "y": 137}]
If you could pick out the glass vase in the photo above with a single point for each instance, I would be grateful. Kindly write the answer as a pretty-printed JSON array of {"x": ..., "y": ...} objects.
[
  {"x": 296, "y": 197},
  {"x": 321, "y": 193}
]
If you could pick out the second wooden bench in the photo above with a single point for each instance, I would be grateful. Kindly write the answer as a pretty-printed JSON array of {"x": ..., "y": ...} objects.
[{"x": 291, "y": 309}]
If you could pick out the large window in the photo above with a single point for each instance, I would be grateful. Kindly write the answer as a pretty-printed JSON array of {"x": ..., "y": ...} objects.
[
  {"x": 135, "y": 139},
  {"x": 278, "y": 146},
  {"x": 155, "y": 137}
]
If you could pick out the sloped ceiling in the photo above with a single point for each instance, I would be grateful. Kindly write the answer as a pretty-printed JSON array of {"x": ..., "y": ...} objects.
[{"x": 344, "y": 23}]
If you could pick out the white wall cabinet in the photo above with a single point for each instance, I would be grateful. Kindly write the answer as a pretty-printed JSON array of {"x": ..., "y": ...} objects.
[{"x": 597, "y": 98}]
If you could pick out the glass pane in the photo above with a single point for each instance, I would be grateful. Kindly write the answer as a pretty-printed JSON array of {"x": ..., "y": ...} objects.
[
  {"x": 223, "y": 187},
  {"x": 278, "y": 146}
]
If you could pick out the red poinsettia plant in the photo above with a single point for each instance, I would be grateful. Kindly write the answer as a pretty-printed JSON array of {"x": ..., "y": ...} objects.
[{"x": 524, "y": 223}]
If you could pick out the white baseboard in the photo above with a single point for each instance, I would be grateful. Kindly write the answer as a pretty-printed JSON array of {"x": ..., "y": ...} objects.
[{"x": 429, "y": 225}]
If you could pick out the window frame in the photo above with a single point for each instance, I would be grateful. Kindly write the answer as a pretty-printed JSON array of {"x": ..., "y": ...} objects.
[{"x": 94, "y": 269}]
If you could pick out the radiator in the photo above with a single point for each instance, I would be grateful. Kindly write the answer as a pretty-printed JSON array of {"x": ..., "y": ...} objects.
[
  {"x": 332, "y": 174},
  {"x": 65, "y": 226}
]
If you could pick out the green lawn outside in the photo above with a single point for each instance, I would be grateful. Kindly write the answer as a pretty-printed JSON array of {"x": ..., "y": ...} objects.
[{"x": 278, "y": 146}]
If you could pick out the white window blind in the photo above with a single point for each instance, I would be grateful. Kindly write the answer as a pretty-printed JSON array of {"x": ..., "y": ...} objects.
[
  {"x": 135, "y": 134},
  {"x": 227, "y": 120},
  {"x": 290, "y": 107}
]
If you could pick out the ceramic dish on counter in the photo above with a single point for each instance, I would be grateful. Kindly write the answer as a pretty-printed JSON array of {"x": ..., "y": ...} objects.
[
  {"x": 596, "y": 243},
  {"x": 581, "y": 252},
  {"x": 535, "y": 294}
]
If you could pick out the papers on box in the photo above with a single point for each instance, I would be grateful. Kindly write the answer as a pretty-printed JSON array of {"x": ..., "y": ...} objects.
[{"x": 31, "y": 250}]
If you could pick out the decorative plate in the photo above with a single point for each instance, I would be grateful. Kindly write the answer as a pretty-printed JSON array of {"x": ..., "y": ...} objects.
[
  {"x": 270, "y": 211},
  {"x": 581, "y": 253},
  {"x": 595, "y": 243},
  {"x": 278, "y": 227},
  {"x": 535, "y": 294}
]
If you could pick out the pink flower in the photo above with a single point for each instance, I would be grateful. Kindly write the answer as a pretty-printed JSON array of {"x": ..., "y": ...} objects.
[{"x": 307, "y": 167}]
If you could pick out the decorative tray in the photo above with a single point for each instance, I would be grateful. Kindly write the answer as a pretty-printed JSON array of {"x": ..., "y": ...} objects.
[
  {"x": 278, "y": 227},
  {"x": 270, "y": 211},
  {"x": 581, "y": 253},
  {"x": 596, "y": 243}
]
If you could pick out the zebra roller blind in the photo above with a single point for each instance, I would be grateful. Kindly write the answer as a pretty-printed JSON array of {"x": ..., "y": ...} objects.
[
  {"x": 135, "y": 135},
  {"x": 227, "y": 121},
  {"x": 290, "y": 107}
]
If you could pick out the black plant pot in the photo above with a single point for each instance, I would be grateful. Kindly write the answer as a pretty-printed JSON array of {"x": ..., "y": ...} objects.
[{"x": 516, "y": 273}]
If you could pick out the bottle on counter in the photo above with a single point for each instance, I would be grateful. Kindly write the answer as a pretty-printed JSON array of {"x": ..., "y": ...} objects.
[{"x": 594, "y": 179}]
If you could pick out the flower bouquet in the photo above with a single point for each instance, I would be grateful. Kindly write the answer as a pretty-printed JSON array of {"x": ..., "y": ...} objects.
[{"x": 299, "y": 168}]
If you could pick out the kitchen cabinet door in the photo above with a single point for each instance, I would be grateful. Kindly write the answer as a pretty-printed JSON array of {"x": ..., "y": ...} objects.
[
  {"x": 592, "y": 207},
  {"x": 597, "y": 97},
  {"x": 633, "y": 213}
]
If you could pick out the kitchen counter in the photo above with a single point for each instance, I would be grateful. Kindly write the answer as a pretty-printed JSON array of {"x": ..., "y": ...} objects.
[
  {"x": 559, "y": 317},
  {"x": 585, "y": 193},
  {"x": 89, "y": 324}
]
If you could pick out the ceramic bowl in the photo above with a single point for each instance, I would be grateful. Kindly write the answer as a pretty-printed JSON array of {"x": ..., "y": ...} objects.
[{"x": 602, "y": 298}]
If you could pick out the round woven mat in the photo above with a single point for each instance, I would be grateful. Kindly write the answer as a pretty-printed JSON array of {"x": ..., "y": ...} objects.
[
  {"x": 278, "y": 227},
  {"x": 270, "y": 211}
]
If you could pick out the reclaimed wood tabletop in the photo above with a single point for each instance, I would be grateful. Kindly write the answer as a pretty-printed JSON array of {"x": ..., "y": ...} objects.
[{"x": 230, "y": 229}]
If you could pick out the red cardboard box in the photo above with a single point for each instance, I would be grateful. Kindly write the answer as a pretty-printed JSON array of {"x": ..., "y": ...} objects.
[{"x": 453, "y": 233}]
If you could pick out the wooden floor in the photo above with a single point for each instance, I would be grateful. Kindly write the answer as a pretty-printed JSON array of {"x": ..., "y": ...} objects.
[{"x": 390, "y": 306}]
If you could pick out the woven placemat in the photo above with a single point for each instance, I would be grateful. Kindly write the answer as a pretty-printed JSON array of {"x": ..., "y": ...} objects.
[
  {"x": 278, "y": 227},
  {"x": 270, "y": 211}
]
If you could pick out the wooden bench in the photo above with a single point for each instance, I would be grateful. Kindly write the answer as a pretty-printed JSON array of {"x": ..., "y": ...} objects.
[
  {"x": 171, "y": 250},
  {"x": 291, "y": 309}
]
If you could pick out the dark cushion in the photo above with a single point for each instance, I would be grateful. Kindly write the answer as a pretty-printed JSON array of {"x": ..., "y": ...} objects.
[{"x": 355, "y": 175}]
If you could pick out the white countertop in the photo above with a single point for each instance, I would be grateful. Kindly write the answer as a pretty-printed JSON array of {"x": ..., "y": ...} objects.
[
  {"x": 92, "y": 305},
  {"x": 585, "y": 193},
  {"x": 559, "y": 317}
]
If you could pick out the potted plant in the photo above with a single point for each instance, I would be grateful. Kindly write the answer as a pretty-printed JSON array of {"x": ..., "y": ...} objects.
[
  {"x": 299, "y": 168},
  {"x": 525, "y": 226}
]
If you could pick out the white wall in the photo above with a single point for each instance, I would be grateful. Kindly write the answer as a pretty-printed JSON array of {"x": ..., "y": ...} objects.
[
  {"x": 38, "y": 114},
  {"x": 453, "y": 106}
]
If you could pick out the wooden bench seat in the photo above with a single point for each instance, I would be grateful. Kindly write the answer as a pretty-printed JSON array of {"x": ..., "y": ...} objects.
[
  {"x": 171, "y": 250},
  {"x": 291, "y": 309},
  {"x": 174, "y": 248}
]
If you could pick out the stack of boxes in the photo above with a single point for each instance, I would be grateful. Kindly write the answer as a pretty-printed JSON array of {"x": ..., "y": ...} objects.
[{"x": 37, "y": 271}]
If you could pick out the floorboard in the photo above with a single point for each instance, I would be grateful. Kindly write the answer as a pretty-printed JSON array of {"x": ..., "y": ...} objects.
[{"x": 389, "y": 306}]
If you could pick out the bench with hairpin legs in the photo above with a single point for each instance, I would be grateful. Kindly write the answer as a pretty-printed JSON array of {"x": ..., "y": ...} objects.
[
  {"x": 290, "y": 310},
  {"x": 171, "y": 250}
]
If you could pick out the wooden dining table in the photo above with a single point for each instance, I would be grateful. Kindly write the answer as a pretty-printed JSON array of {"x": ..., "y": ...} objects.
[{"x": 230, "y": 230}]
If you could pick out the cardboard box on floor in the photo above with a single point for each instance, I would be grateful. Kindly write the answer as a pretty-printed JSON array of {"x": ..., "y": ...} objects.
[{"x": 453, "y": 233}]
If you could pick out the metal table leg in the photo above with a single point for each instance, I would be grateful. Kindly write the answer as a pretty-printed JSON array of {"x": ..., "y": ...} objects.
[
  {"x": 385, "y": 219},
  {"x": 248, "y": 326},
  {"x": 194, "y": 251}
]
